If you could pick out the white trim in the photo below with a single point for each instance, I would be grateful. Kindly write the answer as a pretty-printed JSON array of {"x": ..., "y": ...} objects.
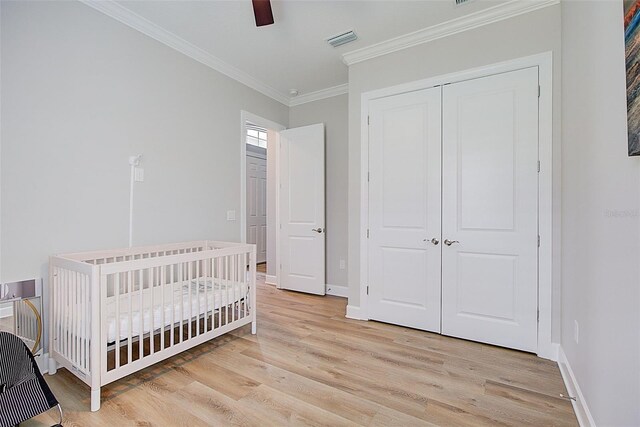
[
  {"x": 454, "y": 26},
  {"x": 319, "y": 94},
  {"x": 245, "y": 117},
  {"x": 137, "y": 22},
  {"x": 354, "y": 312},
  {"x": 6, "y": 311},
  {"x": 337, "y": 290},
  {"x": 583, "y": 414},
  {"x": 544, "y": 62},
  {"x": 271, "y": 280}
]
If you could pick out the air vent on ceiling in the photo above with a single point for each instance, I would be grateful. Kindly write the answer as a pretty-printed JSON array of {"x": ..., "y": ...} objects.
[{"x": 343, "y": 38}]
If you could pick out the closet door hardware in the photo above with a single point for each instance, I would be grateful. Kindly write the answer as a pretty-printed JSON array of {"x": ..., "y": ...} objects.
[
  {"x": 450, "y": 242},
  {"x": 318, "y": 230}
]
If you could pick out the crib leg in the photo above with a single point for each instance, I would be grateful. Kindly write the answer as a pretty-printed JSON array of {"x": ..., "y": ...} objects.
[
  {"x": 95, "y": 399},
  {"x": 53, "y": 366},
  {"x": 254, "y": 328}
]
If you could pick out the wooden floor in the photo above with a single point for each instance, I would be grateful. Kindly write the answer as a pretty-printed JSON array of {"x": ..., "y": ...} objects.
[{"x": 309, "y": 365}]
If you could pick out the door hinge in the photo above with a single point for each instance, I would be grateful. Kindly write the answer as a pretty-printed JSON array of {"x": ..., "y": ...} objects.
[
  {"x": 538, "y": 240},
  {"x": 367, "y": 233},
  {"x": 538, "y": 166},
  {"x": 368, "y": 177},
  {"x": 280, "y": 266},
  {"x": 368, "y": 120},
  {"x": 367, "y": 290},
  {"x": 539, "y": 90},
  {"x": 538, "y": 315}
]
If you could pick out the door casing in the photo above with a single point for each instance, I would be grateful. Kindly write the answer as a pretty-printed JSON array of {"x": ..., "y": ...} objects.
[{"x": 544, "y": 61}]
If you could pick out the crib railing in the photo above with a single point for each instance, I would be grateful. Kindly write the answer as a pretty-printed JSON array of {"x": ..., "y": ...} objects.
[
  {"x": 116, "y": 312},
  {"x": 219, "y": 294},
  {"x": 74, "y": 296}
]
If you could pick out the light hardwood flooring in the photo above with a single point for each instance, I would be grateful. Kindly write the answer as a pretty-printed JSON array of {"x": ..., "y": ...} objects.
[{"x": 309, "y": 365}]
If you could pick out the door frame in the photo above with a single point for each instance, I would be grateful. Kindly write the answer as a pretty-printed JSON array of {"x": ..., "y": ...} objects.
[
  {"x": 544, "y": 61},
  {"x": 246, "y": 116}
]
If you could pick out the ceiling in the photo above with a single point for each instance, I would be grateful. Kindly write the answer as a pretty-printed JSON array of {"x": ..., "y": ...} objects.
[{"x": 293, "y": 53}]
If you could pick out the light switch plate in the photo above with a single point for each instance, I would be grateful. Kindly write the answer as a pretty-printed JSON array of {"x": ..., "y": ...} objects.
[{"x": 231, "y": 215}]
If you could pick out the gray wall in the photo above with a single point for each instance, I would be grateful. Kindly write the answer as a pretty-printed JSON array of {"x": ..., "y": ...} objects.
[
  {"x": 80, "y": 93},
  {"x": 601, "y": 219},
  {"x": 528, "y": 34},
  {"x": 333, "y": 112}
]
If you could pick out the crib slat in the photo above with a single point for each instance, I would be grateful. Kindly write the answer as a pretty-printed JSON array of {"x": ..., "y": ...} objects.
[
  {"x": 163, "y": 285},
  {"x": 198, "y": 298},
  {"x": 152, "y": 311},
  {"x": 140, "y": 316},
  {"x": 87, "y": 317},
  {"x": 76, "y": 320},
  {"x": 67, "y": 346},
  {"x": 181, "y": 283},
  {"x": 209, "y": 277},
  {"x": 218, "y": 293},
  {"x": 130, "y": 317},
  {"x": 116, "y": 291},
  {"x": 189, "y": 273},
  {"x": 173, "y": 307},
  {"x": 234, "y": 272}
]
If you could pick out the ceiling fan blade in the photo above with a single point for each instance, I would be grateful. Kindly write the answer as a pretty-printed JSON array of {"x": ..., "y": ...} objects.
[{"x": 262, "y": 12}]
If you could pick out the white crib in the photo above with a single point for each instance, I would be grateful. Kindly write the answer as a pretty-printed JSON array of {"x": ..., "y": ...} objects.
[{"x": 116, "y": 312}]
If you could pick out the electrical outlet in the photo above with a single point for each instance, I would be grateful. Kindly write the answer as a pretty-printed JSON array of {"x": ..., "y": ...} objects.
[
  {"x": 343, "y": 264},
  {"x": 576, "y": 331},
  {"x": 231, "y": 215}
]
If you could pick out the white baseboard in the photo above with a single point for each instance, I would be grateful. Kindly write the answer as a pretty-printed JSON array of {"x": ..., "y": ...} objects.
[
  {"x": 337, "y": 290},
  {"x": 270, "y": 280},
  {"x": 550, "y": 352},
  {"x": 354, "y": 312},
  {"x": 6, "y": 311},
  {"x": 580, "y": 404}
]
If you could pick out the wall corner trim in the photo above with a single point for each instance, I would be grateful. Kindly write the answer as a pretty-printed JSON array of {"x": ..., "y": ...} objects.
[
  {"x": 354, "y": 312},
  {"x": 474, "y": 20},
  {"x": 583, "y": 414}
]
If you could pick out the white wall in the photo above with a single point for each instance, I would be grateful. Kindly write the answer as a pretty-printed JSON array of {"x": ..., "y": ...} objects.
[
  {"x": 601, "y": 215},
  {"x": 333, "y": 112},
  {"x": 80, "y": 93},
  {"x": 528, "y": 34}
]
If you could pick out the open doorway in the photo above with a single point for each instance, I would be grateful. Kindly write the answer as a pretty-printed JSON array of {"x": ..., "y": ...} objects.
[{"x": 259, "y": 190}]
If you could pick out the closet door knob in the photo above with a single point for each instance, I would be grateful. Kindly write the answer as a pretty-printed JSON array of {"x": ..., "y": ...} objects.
[
  {"x": 450, "y": 242},
  {"x": 317, "y": 230},
  {"x": 435, "y": 241}
]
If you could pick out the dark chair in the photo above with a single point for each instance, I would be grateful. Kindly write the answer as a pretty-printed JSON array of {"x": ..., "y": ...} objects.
[{"x": 23, "y": 392}]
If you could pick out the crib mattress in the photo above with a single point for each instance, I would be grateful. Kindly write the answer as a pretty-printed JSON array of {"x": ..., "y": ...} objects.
[{"x": 205, "y": 296}]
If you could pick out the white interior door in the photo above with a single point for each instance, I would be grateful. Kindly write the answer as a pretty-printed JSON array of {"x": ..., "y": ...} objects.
[
  {"x": 257, "y": 203},
  {"x": 302, "y": 215},
  {"x": 404, "y": 209},
  {"x": 489, "y": 209}
]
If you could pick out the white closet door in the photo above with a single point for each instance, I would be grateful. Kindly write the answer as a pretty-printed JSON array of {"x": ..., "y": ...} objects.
[
  {"x": 404, "y": 209},
  {"x": 257, "y": 204},
  {"x": 490, "y": 197}
]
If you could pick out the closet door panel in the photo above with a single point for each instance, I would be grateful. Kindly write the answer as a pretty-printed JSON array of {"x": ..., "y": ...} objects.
[
  {"x": 490, "y": 212},
  {"x": 404, "y": 209}
]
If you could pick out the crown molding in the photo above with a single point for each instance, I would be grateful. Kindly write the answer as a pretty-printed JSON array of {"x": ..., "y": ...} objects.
[
  {"x": 319, "y": 94},
  {"x": 454, "y": 26},
  {"x": 137, "y": 22}
]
